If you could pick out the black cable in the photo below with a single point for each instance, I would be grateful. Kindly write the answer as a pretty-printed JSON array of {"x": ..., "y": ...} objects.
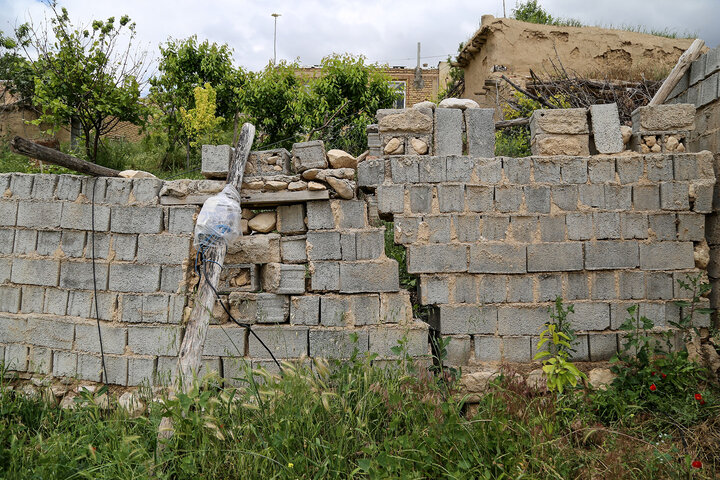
[{"x": 95, "y": 294}]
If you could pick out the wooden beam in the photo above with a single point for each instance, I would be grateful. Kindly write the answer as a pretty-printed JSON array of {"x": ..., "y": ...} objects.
[
  {"x": 682, "y": 65},
  {"x": 512, "y": 123},
  {"x": 50, "y": 155}
]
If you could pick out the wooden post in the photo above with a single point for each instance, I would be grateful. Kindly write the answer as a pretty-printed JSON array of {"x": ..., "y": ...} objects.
[
  {"x": 683, "y": 63},
  {"x": 50, "y": 155},
  {"x": 196, "y": 329}
]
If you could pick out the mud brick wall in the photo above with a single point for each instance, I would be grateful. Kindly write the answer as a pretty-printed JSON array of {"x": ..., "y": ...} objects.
[{"x": 495, "y": 240}]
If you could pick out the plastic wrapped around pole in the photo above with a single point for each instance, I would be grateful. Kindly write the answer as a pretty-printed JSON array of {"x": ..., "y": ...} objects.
[{"x": 219, "y": 219}]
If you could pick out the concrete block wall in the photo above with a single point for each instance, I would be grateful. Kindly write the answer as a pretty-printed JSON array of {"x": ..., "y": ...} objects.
[{"x": 495, "y": 240}]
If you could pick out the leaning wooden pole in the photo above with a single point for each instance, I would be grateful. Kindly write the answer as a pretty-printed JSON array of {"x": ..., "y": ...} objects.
[
  {"x": 196, "y": 328},
  {"x": 50, "y": 155},
  {"x": 683, "y": 63}
]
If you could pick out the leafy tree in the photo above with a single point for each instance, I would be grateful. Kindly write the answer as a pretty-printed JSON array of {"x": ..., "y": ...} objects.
[
  {"x": 185, "y": 65},
  {"x": 201, "y": 120},
  {"x": 16, "y": 71},
  {"x": 83, "y": 76},
  {"x": 531, "y": 11}
]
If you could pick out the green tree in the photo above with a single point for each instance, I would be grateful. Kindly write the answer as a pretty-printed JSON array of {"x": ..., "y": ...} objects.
[
  {"x": 16, "y": 71},
  {"x": 201, "y": 119},
  {"x": 531, "y": 11},
  {"x": 84, "y": 76},
  {"x": 185, "y": 65}
]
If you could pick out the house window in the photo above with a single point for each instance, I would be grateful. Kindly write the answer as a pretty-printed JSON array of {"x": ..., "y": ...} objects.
[{"x": 399, "y": 88}]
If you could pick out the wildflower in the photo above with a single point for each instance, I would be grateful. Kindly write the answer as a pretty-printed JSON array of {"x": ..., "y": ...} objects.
[
  {"x": 652, "y": 373},
  {"x": 663, "y": 375},
  {"x": 698, "y": 397},
  {"x": 290, "y": 465},
  {"x": 653, "y": 387},
  {"x": 702, "y": 402},
  {"x": 697, "y": 464}
]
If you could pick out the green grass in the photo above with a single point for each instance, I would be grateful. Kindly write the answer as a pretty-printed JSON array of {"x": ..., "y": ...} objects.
[{"x": 357, "y": 420}]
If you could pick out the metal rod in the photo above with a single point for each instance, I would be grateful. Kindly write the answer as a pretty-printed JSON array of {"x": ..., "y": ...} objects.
[{"x": 276, "y": 15}]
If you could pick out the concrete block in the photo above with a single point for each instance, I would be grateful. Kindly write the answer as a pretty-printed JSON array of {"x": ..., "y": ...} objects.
[
  {"x": 391, "y": 199},
  {"x": 50, "y": 333},
  {"x": 549, "y": 287},
  {"x": 404, "y": 170},
  {"x": 283, "y": 341},
  {"x": 44, "y": 186},
  {"x": 305, "y": 310},
  {"x": 406, "y": 229},
  {"x": 35, "y": 272},
  {"x": 565, "y": 196},
  {"x": 324, "y": 276},
  {"x": 437, "y": 258},
  {"x": 607, "y": 225},
  {"x": 55, "y": 301},
  {"x": 606, "y": 128},
  {"x": 126, "y": 246},
  {"x": 464, "y": 319},
  {"x": 34, "y": 214},
  {"x": 467, "y": 227},
  {"x": 497, "y": 258},
  {"x": 40, "y": 360},
  {"x": 272, "y": 308},
  {"x": 659, "y": 285},
  {"x": 370, "y": 244},
  {"x": 337, "y": 344},
  {"x": 667, "y": 256},
  {"x": 5, "y": 269},
  {"x": 712, "y": 61},
  {"x": 255, "y": 249},
  {"x": 134, "y": 278},
  {"x": 335, "y": 311},
  {"x": 146, "y": 191},
  {"x": 181, "y": 219},
  {"x": 420, "y": 197},
  {"x": 517, "y": 349},
  {"x": 703, "y": 197},
  {"x": 163, "y": 249},
  {"x": 79, "y": 303},
  {"x": 136, "y": 220},
  {"x": 21, "y": 185},
  {"x": 293, "y": 249},
  {"x": 78, "y": 216},
  {"x": 574, "y": 170},
  {"x": 396, "y": 307},
  {"x": 517, "y": 170},
  {"x": 611, "y": 254},
  {"x": 12, "y": 329},
  {"x": 370, "y": 276},
  {"x": 633, "y": 225},
  {"x": 434, "y": 290},
  {"x": 47, "y": 244},
  {"x": 9, "y": 299},
  {"x": 147, "y": 340},
  {"x": 489, "y": 170},
  {"x": 291, "y": 219},
  {"x": 691, "y": 227},
  {"x": 16, "y": 358},
  {"x": 601, "y": 170},
  {"x": 523, "y": 229},
  {"x": 64, "y": 364},
  {"x": 307, "y": 155},
  {"x": 114, "y": 339},
  {"x": 663, "y": 226},
  {"x": 604, "y": 286},
  {"x": 451, "y": 198},
  {"x": 520, "y": 289},
  {"x": 319, "y": 215},
  {"x": 7, "y": 239},
  {"x": 459, "y": 168},
  {"x": 487, "y": 348},
  {"x": 708, "y": 90},
  {"x": 371, "y": 172},
  {"x": 494, "y": 228},
  {"x": 664, "y": 117},
  {"x": 537, "y": 199},
  {"x": 68, "y": 187},
  {"x": 140, "y": 371},
  {"x": 674, "y": 196},
  {"x": 459, "y": 350},
  {"x": 350, "y": 213},
  {"x": 618, "y": 197},
  {"x": 629, "y": 169},
  {"x": 412, "y": 341},
  {"x": 100, "y": 243},
  {"x": 283, "y": 278},
  {"x": 118, "y": 190},
  {"x": 552, "y": 229},
  {"x": 465, "y": 289},
  {"x": 26, "y": 242},
  {"x": 224, "y": 341},
  {"x": 438, "y": 228},
  {"x": 492, "y": 288},
  {"x": 554, "y": 257},
  {"x": 546, "y": 170},
  {"x": 577, "y": 286},
  {"x": 79, "y": 275},
  {"x": 570, "y": 121},
  {"x": 215, "y": 160},
  {"x": 73, "y": 243},
  {"x": 592, "y": 195},
  {"x": 602, "y": 346},
  {"x": 32, "y": 299},
  {"x": 508, "y": 198},
  {"x": 590, "y": 316},
  {"x": 525, "y": 320},
  {"x": 432, "y": 169},
  {"x": 172, "y": 279},
  {"x": 479, "y": 198},
  {"x": 323, "y": 246},
  {"x": 632, "y": 285},
  {"x": 659, "y": 167},
  {"x": 448, "y": 131},
  {"x": 480, "y": 128}
]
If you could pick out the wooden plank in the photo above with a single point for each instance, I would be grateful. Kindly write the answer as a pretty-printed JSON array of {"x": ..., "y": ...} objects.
[
  {"x": 254, "y": 199},
  {"x": 50, "y": 155},
  {"x": 683, "y": 63}
]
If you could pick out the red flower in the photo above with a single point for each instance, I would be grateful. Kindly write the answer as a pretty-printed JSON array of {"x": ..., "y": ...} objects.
[
  {"x": 697, "y": 464},
  {"x": 663, "y": 375},
  {"x": 702, "y": 402},
  {"x": 653, "y": 387},
  {"x": 652, "y": 373},
  {"x": 698, "y": 397}
]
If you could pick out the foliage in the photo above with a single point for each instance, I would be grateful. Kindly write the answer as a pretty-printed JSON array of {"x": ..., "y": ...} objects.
[
  {"x": 398, "y": 253},
  {"x": 83, "y": 75},
  {"x": 558, "y": 336},
  {"x": 16, "y": 70},
  {"x": 698, "y": 289},
  {"x": 456, "y": 80},
  {"x": 201, "y": 119},
  {"x": 530, "y": 11}
]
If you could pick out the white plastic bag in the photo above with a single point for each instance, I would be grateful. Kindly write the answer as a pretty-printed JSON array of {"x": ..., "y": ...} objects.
[{"x": 219, "y": 218}]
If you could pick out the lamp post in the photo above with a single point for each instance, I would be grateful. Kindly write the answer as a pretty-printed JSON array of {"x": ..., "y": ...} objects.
[{"x": 276, "y": 15}]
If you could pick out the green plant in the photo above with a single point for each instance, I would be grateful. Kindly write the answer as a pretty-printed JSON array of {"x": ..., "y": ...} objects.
[
  {"x": 531, "y": 11},
  {"x": 698, "y": 289},
  {"x": 398, "y": 253},
  {"x": 558, "y": 335}
]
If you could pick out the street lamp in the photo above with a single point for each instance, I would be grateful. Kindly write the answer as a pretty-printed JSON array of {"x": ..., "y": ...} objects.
[{"x": 276, "y": 15}]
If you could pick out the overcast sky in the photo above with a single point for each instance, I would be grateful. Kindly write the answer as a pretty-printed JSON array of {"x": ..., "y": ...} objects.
[{"x": 383, "y": 31}]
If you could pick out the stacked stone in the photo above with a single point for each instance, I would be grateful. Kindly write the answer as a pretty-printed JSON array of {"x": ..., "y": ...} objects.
[
  {"x": 216, "y": 161},
  {"x": 495, "y": 241},
  {"x": 560, "y": 132},
  {"x": 47, "y": 304},
  {"x": 311, "y": 160},
  {"x": 662, "y": 128}
]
